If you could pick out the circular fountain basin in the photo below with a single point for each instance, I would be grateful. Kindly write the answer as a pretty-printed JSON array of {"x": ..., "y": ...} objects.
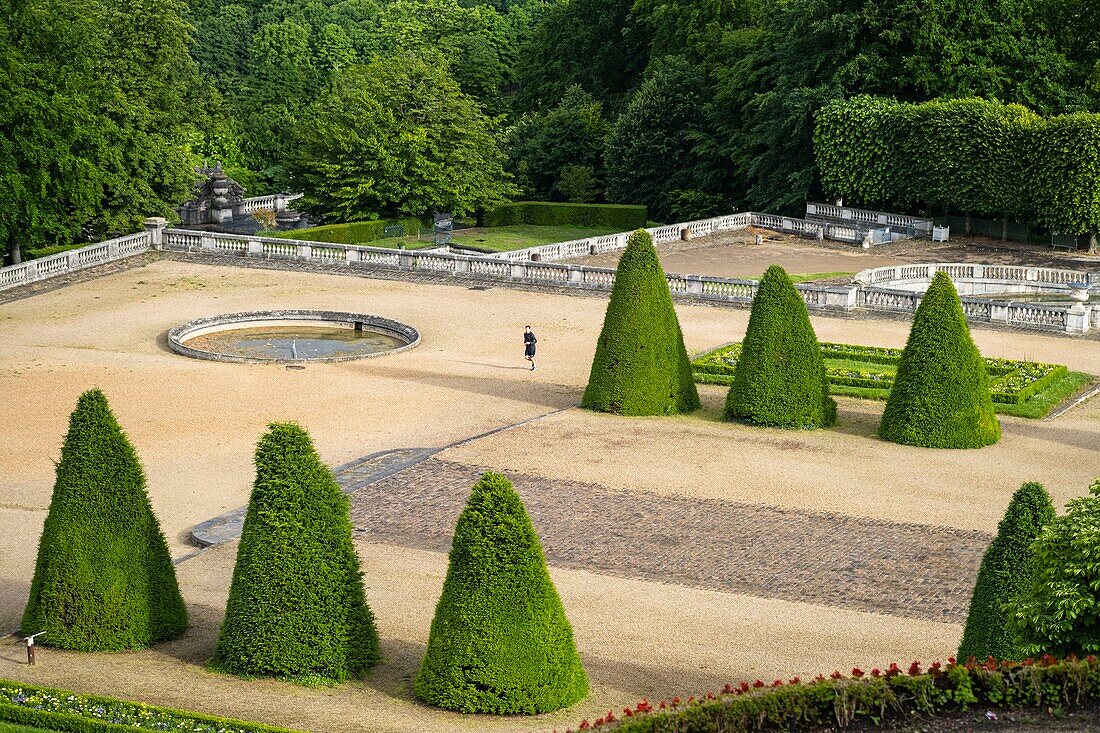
[{"x": 291, "y": 337}]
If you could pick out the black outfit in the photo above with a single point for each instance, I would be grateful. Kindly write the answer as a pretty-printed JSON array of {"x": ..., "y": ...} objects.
[{"x": 529, "y": 342}]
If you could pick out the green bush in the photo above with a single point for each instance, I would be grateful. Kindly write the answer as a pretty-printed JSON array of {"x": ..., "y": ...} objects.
[
  {"x": 892, "y": 698},
  {"x": 641, "y": 366},
  {"x": 61, "y": 710},
  {"x": 500, "y": 641},
  {"x": 1059, "y": 613},
  {"x": 37, "y": 254},
  {"x": 545, "y": 213},
  {"x": 355, "y": 232},
  {"x": 296, "y": 605},
  {"x": 940, "y": 397},
  {"x": 104, "y": 580},
  {"x": 780, "y": 376},
  {"x": 1004, "y": 575}
]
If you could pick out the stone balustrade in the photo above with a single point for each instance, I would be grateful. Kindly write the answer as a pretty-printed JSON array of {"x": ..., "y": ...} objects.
[
  {"x": 865, "y": 218},
  {"x": 888, "y": 289}
]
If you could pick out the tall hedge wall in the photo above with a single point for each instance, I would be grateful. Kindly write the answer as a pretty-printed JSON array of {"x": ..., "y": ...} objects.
[
  {"x": 621, "y": 217},
  {"x": 104, "y": 580},
  {"x": 500, "y": 641},
  {"x": 780, "y": 376},
  {"x": 641, "y": 366},
  {"x": 969, "y": 155},
  {"x": 1004, "y": 576},
  {"x": 296, "y": 604},
  {"x": 940, "y": 397}
]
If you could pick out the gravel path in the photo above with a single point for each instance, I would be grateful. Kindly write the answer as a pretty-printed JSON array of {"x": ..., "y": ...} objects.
[{"x": 908, "y": 570}]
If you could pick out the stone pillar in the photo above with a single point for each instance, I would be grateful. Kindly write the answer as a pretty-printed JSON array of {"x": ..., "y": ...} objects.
[
  {"x": 1078, "y": 318},
  {"x": 155, "y": 226},
  {"x": 694, "y": 284},
  {"x": 207, "y": 241},
  {"x": 280, "y": 202},
  {"x": 353, "y": 255},
  {"x": 255, "y": 247},
  {"x": 518, "y": 271},
  {"x": 576, "y": 275},
  {"x": 405, "y": 260},
  {"x": 462, "y": 263},
  {"x": 841, "y": 298},
  {"x": 304, "y": 251}
]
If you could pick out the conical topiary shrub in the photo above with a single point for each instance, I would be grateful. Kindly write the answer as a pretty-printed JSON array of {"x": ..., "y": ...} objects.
[
  {"x": 940, "y": 397},
  {"x": 296, "y": 604},
  {"x": 500, "y": 641},
  {"x": 1005, "y": 574},
  {"x": 104, "y": 580},
  {"x": 780, "y": 376},
  {"x": 641, "y": 366}
]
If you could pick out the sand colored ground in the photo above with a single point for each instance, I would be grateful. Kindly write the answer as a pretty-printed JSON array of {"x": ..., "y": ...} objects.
[
  {"x": 702, "y": 641},
  {"x": 195, "y": 423}
]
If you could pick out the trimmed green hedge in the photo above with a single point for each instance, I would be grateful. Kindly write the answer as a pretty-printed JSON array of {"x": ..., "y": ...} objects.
[
  {"x": 621, "y": 217},
  {"x": 61, "y": 710},
  {"x": 971, "y": 155},
  {"x": 355, "y": 232},
  {"x": 780, "y": 376},
  {"x": 104, "y": 580},
  {"x": 37, "y": 254},
  {"x": 296, "y": 604},
  {"x": 640, "y": 366},
  {"x": 940, "y": 397},
  {"x": 892, "y": 696},
  {"x": 1004, "y": 575},
  {"x": 500, "y": 641}
]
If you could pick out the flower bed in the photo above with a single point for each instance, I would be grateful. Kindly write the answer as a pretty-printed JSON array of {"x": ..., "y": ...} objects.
[
  {"x": 879, "y": 697},
  {"x": 66, "y": 711},
  {"x": 1011, "y": 382}
]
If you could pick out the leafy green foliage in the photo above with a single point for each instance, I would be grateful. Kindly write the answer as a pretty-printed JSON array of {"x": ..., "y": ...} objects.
[
  {"x": 356, "y": 232},
  {"x": 103, "y": 580},
  {"x": 780, "y": 378},
  {"x": 1060, "y": 611},
  {"x": 545, "y": 147},
  {"x": 620, "y": 217},
  {"x": 94, "y": 120},
  {"x": 974, "y": 155},
  {"x": 296, "y": 604},
  {"x": 940, "y": 397},
  {"x": 641, "y": 366},
  {"x": 500, "y": 641},
  {"x": 651, "y": 150},
  {"x": 1004, "y": 575},
  {"x": 396, "y": 138}
]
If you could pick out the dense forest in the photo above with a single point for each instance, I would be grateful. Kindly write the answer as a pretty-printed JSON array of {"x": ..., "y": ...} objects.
[{"x": 381, "y": 108}]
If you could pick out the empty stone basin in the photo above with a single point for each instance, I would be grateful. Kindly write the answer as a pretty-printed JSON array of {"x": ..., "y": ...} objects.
[{"x": 291, "y": 336}]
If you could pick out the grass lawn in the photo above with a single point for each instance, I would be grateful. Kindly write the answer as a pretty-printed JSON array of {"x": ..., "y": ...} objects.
[
  {"x": 811, "y": 277},
  {"x": 1035, "y": 407}
]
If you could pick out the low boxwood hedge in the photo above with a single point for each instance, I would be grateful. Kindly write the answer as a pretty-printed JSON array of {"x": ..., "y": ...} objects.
[
  {"x": 623, "y": 217},
  {"x": 354, "y": 232},
  {"x": 50, "y": 709},
  {"x": 860, "y": 699},
  {"x": 37, "y": 254}
]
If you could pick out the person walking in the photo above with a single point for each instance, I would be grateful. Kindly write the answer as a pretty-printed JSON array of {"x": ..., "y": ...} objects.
[{"x": 529, "y": 342}]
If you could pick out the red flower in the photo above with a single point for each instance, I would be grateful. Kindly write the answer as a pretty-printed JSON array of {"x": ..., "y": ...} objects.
[
  {"x": 663, "y": 705},
  {"x": 758, "y": 683},
  {"x": 819, "y": 678},
  {"x": 836, "y": 675},
  {"x": 627, "y": 713},
  {"x": 857, "y": 672},
  {"x": 893, "y": 670},
  {"x": 777, "y": 683},
  {"x": 914, "y": 669},
  {"x": 584, "y": 725},
  {"x": 934, "y": 670},
  {"x": 743, "y": 688},
  {"x": 795, "y": 681},
  {"x": 675, "y": 701},
  {"x": 951, "y": 660},
  {"x": 727, "y": 689},
  {"x": 875, "y": 672}
]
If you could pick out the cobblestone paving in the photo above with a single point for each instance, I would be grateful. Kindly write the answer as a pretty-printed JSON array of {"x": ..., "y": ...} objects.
[
  {"x": 907, "y": 570},
  {"x": 79, "y": 276}
]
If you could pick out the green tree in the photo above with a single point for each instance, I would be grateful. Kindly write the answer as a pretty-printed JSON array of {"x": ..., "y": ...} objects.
[
  {"x": 296, "y": 604},
  {"x": 1004, "y": 576},
  {"x": 651, "y": 151},
  {"x": 780, "y": 375},
  {"x": 396, "y": 137},
  {"x": 940, "y": 397},
  {"x": 104, "y": 580},
  {"x": 641, "y": 366},
  {"x": 1059, "y": 613},
  {"x": 500, "y": 641}
]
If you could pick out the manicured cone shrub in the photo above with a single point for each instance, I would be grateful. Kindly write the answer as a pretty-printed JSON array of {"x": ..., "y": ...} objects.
[
  {"x": 1004, "y": 575},
  {"x": 296, "y": 604},
  {"x": 940, "y": 397},
  {"x": 500, "y": 641},
  {"x": 104, "y": 580},
  {"x": 641, "y": 366},
  {"x": 780, "y": 375}
]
